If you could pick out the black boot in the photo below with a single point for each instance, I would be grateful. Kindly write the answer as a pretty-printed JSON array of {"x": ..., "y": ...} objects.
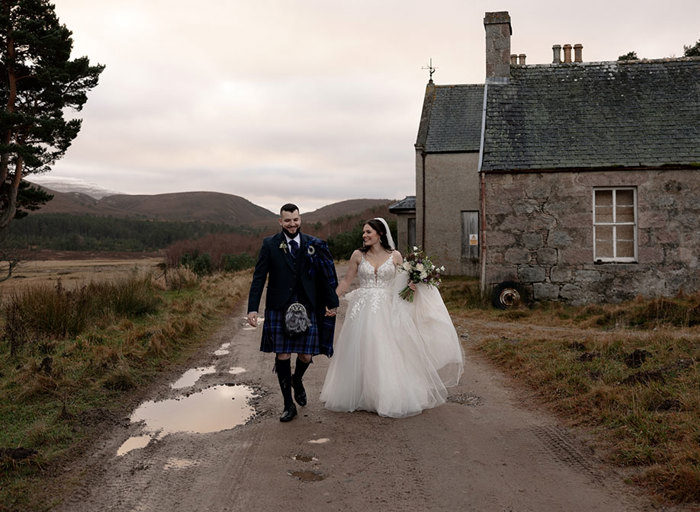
[
  {"x": 297, "y": 385},
  {"x": 284, "y": 375}
]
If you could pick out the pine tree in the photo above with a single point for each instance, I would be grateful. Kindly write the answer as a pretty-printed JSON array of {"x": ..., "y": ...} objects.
[{"x": 38, "y": 83}]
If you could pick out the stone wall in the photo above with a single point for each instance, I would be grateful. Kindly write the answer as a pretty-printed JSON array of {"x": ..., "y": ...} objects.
[{"x": 539, "y": 232}]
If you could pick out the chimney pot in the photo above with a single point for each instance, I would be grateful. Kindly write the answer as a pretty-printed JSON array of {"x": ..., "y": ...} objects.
[
  {"x": 556, "y": 49},
  {"x": 513, "y": 59},
  {"x": 567, "y": 53},
  {"x": 521, "y": 59},
  {"x": 498, "y": 32},
  {"x": 578, "y": 53}
]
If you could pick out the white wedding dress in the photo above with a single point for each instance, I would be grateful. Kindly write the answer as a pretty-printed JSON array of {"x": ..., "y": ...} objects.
[{"x": 393, "y": 357}]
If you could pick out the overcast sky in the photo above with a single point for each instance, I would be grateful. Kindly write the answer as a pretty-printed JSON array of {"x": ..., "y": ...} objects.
[{"x": 310, "y": 101}]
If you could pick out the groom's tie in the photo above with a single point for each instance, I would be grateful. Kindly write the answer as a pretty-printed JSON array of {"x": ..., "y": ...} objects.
[{"x": 293, "y": 246}]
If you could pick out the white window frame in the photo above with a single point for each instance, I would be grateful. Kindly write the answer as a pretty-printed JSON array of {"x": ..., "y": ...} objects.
[{"x": 614, "y": 224}]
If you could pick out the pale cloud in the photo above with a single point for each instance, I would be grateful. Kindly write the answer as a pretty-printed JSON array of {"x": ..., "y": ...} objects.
[{"x": 314, "y": 101}]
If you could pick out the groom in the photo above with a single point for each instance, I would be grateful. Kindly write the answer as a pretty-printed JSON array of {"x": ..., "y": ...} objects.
[{"x": 298, "y": 268}]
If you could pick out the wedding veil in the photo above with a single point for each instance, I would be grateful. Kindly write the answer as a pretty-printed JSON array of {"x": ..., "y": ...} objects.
[{"x": 388, "y": 233}]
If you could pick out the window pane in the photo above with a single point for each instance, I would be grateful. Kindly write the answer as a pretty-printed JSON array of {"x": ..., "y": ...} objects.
[
  {"x": 625, "y": 213},
  {"x": 625, "y": 233},
  {"x": 624, "y": 201},
  {"x": 625, "y": 198},
  {"x": 625, "y": 249},
  {"x": 603, "y": 205},
  {"x": 603, "y": 197},
  {"x": 603, "y": 242},
  {"x": 625, "y": 242}
]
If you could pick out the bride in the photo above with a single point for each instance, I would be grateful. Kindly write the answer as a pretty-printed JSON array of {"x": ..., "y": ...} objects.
[{"x": 392, "y": 357}]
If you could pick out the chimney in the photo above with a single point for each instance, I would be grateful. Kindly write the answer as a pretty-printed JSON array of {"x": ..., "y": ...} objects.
[
  {"x": 498, "y": 32},
  {"x": 513, "y": 59},
  {"x": 521, "y": 59},
  {"x": 556, "y": 49},
  {"x": 567, "y": 53},
  {"x": 578, "y": 53}
]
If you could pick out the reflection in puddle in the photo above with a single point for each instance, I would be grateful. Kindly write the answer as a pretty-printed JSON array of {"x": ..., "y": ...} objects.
[
  {"x": 307, "y": 476},
  {"x": 174, "y": 463},
  {"x": 191, "y": 376},
  {"x": 319, "y": 441},
  {"x": 211, "y": 410},
  {"x": 133, "y": 443},
  {"x": 235, "y": 370}
]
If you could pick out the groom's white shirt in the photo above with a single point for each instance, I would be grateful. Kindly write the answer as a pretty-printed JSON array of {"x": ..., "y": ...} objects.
[{"x": 297, "y": 239}]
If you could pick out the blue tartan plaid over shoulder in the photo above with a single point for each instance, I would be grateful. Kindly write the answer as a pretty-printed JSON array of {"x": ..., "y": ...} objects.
[{"x": 321, "y": 262}]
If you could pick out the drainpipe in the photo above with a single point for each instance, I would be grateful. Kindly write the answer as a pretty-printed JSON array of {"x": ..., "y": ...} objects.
[
  {"x": 422, "y": 154},
  {"x": 482, "y": 195}
]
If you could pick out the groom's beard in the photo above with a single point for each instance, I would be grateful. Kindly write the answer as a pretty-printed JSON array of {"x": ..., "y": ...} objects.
[{"x": 291, "y": 235}]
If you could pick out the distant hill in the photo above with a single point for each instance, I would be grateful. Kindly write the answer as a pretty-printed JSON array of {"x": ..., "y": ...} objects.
[
  {"x": 349, "y": 207},
  {"x": 183, "y": 206},
  {"x": 65, "y": 184},
  {"x": 212, "y": 207}
]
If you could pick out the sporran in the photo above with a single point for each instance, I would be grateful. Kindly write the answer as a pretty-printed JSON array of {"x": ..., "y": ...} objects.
[{"x": 296, "y": 320}]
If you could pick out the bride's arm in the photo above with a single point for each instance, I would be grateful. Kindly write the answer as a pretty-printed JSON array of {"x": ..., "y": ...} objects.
[
  {"x": 398, "y": 260},
  {"x": 350, "y": 274}
]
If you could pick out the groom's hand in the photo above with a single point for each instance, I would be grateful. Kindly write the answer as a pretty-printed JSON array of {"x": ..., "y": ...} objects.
[
  {"x": 253, "y": 318},
  {"x": 331, "y": 312}
]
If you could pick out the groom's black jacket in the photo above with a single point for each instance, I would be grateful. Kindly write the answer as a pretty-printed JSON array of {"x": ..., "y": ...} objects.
[{"x": 312, "y": 272}]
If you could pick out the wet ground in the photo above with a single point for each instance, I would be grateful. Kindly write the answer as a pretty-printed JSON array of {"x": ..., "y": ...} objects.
[{"x": 209, "y": 439}]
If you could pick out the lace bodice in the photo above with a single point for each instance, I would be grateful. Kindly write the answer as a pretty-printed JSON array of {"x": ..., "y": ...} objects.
[
  {"x": 375, "y": 287},
  {"x": 382, "y": 278}
]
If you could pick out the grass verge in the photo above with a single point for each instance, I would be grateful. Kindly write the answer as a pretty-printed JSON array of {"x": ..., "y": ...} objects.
[
  {"x": 628, "y": 371},
  {"x": 68, "y": 360}
]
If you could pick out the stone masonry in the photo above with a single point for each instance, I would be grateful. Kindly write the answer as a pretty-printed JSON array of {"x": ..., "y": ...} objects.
[{"x": 540, "y": 233}]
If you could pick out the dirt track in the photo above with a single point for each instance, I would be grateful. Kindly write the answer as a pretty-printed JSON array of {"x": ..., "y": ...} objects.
[{"x": 482, "y": 451}]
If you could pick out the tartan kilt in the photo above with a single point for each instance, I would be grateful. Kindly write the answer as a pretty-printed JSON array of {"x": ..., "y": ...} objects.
[{"x": 315, "y": 341}]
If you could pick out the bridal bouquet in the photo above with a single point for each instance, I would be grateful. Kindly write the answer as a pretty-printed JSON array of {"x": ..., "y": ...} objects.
[{"x": 420, "y": 269}]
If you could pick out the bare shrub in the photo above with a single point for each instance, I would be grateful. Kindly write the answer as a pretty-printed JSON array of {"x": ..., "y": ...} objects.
[{"x": 181, "y": 278}]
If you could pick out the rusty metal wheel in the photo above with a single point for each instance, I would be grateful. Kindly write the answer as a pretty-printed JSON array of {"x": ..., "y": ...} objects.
[{"x": 507, "y": 295}]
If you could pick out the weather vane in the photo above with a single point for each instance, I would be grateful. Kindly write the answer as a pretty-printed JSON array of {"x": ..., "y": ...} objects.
[{"x": 430, "y": 69}]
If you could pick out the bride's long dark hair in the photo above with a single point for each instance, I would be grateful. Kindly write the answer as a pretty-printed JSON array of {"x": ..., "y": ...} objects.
[{"x": 378, "y": 226}]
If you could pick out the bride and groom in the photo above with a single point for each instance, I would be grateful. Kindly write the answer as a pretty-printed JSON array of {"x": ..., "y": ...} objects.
[{"x": 392, "y": 357}]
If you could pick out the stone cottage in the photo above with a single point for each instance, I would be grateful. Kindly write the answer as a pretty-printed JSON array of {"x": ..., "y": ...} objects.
[{"x": 569, "y": 181}]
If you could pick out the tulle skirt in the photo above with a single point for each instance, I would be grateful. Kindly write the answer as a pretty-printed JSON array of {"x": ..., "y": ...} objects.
[{"x": 393, "y": 357}]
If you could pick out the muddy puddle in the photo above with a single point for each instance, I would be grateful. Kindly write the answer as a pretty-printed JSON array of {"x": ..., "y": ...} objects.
[
  {"x": 307, "y": 476},
  {"x": 191, "y": 376},
  {"x": 223, "y": 350},
  {"x": 133, "y": 443},
  {"x": 210, "y": 410},
  {"x": 305, "y": 458}
]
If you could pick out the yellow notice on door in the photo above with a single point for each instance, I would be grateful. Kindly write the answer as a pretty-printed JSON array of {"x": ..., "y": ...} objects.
[{"x": 473, "y": 239}]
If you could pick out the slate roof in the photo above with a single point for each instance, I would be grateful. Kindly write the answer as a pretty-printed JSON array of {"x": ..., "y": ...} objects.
[
  {"x": 407, "y": 204},
  {"x": 448, "y": 118},
  {"x": 594, "y": 115}
]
